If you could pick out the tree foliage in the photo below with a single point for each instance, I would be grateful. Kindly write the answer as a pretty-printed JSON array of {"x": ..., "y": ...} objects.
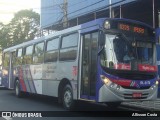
[{"x": 23, "y": 27}]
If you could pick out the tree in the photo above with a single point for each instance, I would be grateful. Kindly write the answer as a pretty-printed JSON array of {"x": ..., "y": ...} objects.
[
  {"x": 4, "y": 35},
  {"x": 23, "y": 27}
]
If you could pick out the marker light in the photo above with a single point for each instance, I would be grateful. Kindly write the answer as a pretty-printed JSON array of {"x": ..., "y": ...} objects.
[
  {"x": 107, "y": 25},
  {"x": 157, "y": 82},
  {"x": 105, "y": 80},
  {"x": 109, "y": 83}
]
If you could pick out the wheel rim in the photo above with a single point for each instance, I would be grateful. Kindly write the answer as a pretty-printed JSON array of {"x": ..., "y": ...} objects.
[
  {"x": 68, "y": 98},
  {"x": 17, "y": 88}
]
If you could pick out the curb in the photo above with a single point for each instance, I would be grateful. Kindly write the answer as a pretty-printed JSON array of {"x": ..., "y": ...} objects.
[{"x": 3, "y": 88}]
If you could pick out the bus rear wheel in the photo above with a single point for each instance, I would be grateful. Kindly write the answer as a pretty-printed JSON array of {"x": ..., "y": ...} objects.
[
  {"x": 67, "y": 98},
  {"x": 18, "y": 92}
]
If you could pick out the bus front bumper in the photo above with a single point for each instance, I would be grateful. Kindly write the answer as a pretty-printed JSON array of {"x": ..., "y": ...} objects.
[{"x": 107, "y": 94}]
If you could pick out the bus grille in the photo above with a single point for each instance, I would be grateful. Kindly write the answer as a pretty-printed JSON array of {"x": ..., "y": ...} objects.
[
  {"x": 135, "y": 76},
  {"x": 129, "y": 96},
  {"x": 135, "y": 88}
]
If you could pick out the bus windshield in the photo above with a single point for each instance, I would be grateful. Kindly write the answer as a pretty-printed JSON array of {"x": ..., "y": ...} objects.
[{"x": 121, "y": 52}]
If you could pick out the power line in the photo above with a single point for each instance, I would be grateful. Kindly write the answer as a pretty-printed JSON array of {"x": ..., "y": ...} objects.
[
  {"x": 99, "y": 9},
  {"x": 86, "y": 7},
  {"x": 93, "y": 11}
]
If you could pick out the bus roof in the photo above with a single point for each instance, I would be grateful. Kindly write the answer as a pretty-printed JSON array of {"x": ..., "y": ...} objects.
[{"x": 72, "y": 29}]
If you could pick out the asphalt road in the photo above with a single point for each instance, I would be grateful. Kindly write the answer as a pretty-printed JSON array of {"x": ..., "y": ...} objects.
[{"x": 9, "y": 102}]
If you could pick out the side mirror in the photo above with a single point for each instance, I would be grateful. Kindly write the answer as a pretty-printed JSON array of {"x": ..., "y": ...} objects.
[{"x": 101, "y": 39}]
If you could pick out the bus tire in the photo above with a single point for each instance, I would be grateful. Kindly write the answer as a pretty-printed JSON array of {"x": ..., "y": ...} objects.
[
  {"x": 18, "y": 91},
  {"x": 113, "y": 104},
  {"x": 67, "y": 98}
]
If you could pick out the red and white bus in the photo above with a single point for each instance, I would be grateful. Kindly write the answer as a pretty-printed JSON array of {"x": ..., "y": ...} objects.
[{"x": 87, "y": 62}]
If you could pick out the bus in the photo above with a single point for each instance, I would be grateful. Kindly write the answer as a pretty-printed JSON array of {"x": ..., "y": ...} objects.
[
  {"x": 158, "y": 56},
  {"x": 87, "y": 62}
]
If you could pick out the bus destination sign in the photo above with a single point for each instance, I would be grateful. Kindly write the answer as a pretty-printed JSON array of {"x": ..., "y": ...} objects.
[{"x": 127, "y": 27}]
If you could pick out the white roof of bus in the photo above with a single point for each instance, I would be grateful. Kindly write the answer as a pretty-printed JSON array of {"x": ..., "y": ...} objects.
[{"x": 57, "y": 33}]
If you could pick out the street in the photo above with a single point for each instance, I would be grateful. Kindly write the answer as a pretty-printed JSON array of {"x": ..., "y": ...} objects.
[{"x": 9, "y": 102}]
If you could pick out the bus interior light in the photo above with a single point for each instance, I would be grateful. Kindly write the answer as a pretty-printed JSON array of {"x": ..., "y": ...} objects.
[{"x": 107, "y": 25}]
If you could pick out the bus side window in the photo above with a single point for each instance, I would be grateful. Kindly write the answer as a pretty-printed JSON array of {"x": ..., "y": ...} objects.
[
  {"x": 68, "y": 49},
  {"x": 6, "y": 60},
  {"x": 14, "y": 58},
  {"x": 51, "y": 54},
  {"x": 19, "y": 57},
  {"x": 27, "y": 59},
  {"x": 38, "y": 55}
]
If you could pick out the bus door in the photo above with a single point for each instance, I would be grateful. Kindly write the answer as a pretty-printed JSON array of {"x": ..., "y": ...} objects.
[
  {"x": 89, "y": 65},
  {"x": 158, "y": 56},
  {"x": 11, "y": 77}
]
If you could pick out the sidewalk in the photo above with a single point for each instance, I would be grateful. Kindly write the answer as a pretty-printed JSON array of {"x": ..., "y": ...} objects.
[
  {"x": 2, "y": 88},
  {"x": 150, "y": 105}
]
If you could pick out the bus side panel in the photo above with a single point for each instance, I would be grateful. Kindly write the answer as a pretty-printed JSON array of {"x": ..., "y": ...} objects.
[
  {"x": 38, "y": 79},
  {"x": 69, "y": 70},
  {"x": 45, "y": 78},
  {"x": 5, "y": 77}
]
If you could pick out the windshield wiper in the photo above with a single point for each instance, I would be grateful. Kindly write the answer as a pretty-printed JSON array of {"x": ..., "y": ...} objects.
[{"x": 126, "y": 39}]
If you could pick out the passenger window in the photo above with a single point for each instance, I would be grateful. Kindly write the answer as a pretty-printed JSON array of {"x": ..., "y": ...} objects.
[
  {"x": 28, "y": 55},
  {"x": 70, "y": 40},
  {"x": 18, "y": 58},
  {"x": 29, "y": 50},
  {"x": 38, "y": 53},
  {"x": 51, "y": 54},
  {"x": 68, "y": 49},
  {"x": 19, "y": 52},
  {"x": 6, "y": 60},
  {"x": 52, "y": 44}
]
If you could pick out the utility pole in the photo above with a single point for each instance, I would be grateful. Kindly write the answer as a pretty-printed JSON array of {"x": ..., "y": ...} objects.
[
  {"x": 120, "y": 11},
  {"x": 159, "y": 18},
  {"x": 153, "y": 2},
  {"x": 65, "y": 13},
  {"x": 110, "y": 8}
]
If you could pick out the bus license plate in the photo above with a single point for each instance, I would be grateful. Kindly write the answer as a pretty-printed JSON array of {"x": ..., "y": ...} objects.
[{"x": 137, "y": 95}]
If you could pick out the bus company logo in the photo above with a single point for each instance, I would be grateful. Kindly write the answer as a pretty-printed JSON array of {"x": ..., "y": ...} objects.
[
  {"x": 145, "y": 82},
  {"x": 134, "y": 84},
  {"x": 6, "y": 114}
]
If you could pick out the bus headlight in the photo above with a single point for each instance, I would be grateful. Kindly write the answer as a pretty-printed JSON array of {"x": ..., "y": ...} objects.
[
  {"x": 105, "y": 80},
  {"x": 155, "y": 85},
  {"x": 109, "y": 83}
]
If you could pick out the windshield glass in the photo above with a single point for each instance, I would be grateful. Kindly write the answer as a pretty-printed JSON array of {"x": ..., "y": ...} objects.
[{"x": 121, "y": 52}]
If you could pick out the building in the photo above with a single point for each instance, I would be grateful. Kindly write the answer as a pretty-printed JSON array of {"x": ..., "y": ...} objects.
[{"x": 57, "y": 14}]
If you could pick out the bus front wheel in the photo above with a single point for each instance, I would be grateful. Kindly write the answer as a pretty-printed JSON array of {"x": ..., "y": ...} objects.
[{"x": 67, "y": 97}]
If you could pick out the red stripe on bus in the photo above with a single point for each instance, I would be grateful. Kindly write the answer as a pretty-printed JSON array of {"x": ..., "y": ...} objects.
[{"x": 22, "y": 80}]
